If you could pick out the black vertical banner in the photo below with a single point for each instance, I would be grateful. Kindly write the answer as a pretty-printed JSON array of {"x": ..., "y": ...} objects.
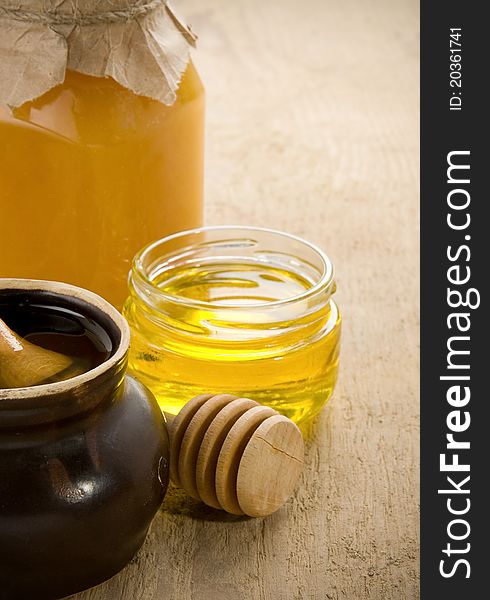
[{"x": 455, "y": 329}]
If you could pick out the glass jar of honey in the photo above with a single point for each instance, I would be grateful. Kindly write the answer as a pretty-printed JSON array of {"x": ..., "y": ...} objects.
[
  {"x": 90, "y": 170},
  {"x": 237, "y": 310}
]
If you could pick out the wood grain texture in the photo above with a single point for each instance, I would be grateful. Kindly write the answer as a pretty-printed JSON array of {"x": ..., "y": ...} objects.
[
  {"x": 270, "y": 467},
  {"x": 312, "y": 127}
]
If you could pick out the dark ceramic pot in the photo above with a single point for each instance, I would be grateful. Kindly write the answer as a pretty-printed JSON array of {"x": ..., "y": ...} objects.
[{"x": 83, "y": 463}]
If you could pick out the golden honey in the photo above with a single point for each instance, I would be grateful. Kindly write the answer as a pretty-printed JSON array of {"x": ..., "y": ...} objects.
[
  {"x": 235, "y": 310},
  {"x": 90, "y": 172}
]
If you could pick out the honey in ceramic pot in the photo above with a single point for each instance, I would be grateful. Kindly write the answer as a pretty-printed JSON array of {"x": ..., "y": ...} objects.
[
  {"x": 42, "y": 344},
  {"x": 83, "y": 461}
]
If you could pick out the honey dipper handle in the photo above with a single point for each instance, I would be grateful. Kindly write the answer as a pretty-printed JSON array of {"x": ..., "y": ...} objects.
[
  {"x": 23, "y": 364},
  {"x": 9, "y": 342}
]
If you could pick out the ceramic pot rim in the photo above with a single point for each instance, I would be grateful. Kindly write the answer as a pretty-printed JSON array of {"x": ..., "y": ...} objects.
[{"x": 87, "y": 297}]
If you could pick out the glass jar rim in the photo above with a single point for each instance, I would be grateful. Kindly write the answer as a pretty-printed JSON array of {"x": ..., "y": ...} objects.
[{"x": 325, "y": 283}]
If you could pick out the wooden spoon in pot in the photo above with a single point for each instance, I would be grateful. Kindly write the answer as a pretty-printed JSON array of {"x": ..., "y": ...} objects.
[{"x": 23, "y": 364}]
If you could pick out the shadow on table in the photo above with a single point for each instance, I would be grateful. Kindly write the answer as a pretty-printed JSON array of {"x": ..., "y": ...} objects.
[{"x": 177, "y": 502}]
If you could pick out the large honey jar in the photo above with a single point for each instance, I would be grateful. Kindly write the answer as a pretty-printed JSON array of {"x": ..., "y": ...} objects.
[{"x": 101, "y": 140}]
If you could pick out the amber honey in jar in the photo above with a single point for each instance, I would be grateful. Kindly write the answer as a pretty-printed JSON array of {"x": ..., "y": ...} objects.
[
  {"x": 236, "y": 310},
  {"x": 111, "y": 156}
]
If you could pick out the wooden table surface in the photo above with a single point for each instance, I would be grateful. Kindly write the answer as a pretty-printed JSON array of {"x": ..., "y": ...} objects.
[{"x": 312, "y": 127}]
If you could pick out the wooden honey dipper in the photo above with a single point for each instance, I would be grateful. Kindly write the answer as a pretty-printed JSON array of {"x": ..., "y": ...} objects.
[
  {"x": 23, "y": 364},
  {"x": 235, "y": 454}
]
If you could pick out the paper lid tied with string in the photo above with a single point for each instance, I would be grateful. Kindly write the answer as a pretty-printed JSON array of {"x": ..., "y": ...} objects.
[{"x": 141, "y": 44}]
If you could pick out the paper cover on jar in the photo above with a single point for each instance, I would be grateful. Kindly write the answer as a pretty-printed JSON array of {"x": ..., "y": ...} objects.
[{"x": 141, "y": 44}]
